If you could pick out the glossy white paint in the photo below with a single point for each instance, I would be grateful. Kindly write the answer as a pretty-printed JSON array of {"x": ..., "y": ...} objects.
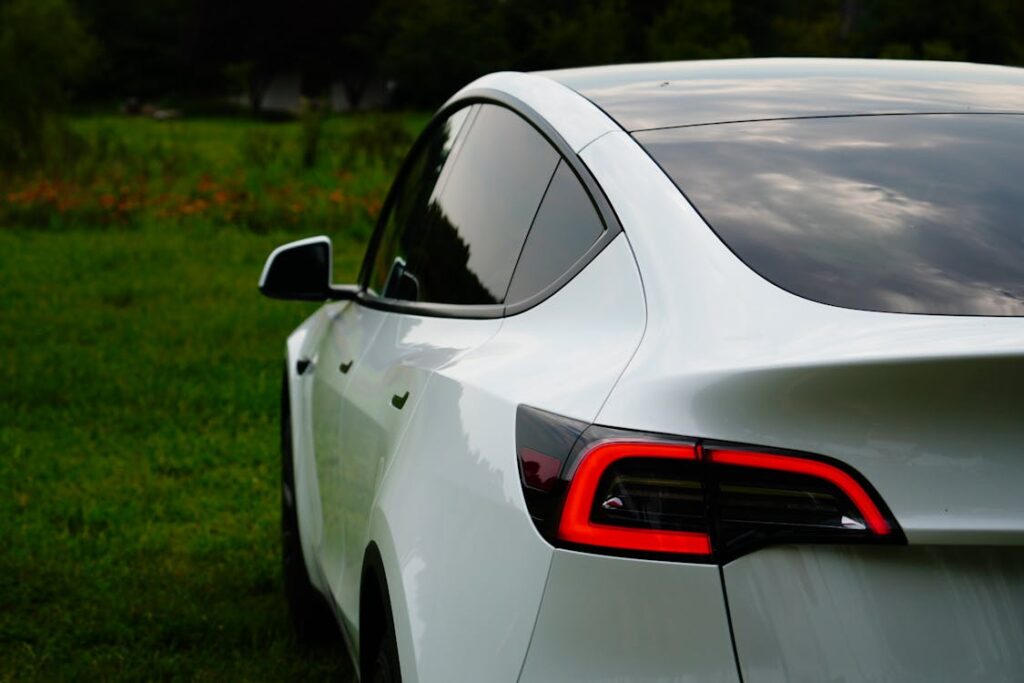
[
  {"x": 576, "y": 119},
  {"x": 470, "y": 566},
  {"x": 346, "y": 340},
  {"x": 301, "y": 344},
  {"x": 407, "y": 351},
  {"x": 615, "y": 619},
  {"x": 808, "y": 614}
]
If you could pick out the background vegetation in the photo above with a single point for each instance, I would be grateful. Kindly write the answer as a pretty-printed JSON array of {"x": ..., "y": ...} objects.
[
  {"x": 138, "y": 366},
  {"x": 139, "y": 389},
  {"x": 427, "y": 48}
]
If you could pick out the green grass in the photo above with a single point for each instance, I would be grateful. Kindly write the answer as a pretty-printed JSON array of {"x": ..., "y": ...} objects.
[{"x": 138, "y": 443}]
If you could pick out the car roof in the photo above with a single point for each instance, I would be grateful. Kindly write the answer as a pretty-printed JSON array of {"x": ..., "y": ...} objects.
[{"x": 669, "y": 94}]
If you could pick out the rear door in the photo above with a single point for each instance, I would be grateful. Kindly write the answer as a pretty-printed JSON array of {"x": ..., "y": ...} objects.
[
  {"x": 438, "y": 277},
  {"x": 350, "y": 331}
]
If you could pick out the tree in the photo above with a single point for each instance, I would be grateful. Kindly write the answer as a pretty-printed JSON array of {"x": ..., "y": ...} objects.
[
  {"x": 145, "y": 48},
  {"x": 593, "y": 33},
  {"x": 432, "y": 47},
  {"x": 981, "y": 31},
  {"x": 43, "y": 52},
  {"x": 696, "y": 29}
]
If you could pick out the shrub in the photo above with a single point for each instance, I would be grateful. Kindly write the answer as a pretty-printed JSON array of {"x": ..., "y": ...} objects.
[
  {"x": 261, "y": 148},
  {"x": 312, "y": 120},
  {"x": 382, "y": 139}
]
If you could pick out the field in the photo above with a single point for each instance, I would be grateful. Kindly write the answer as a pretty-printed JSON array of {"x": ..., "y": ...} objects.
[{"x": 138, "y": 391}]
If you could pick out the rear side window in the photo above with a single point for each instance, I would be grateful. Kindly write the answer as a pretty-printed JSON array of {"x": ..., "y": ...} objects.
[
  {"x": 910, "y": 214},
  {"x": 566, "y": 226},
  {"x": 460, "y": 246}
]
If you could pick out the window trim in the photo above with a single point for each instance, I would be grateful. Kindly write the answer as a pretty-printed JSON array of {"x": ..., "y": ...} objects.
[{"x": 597, "y": 197}]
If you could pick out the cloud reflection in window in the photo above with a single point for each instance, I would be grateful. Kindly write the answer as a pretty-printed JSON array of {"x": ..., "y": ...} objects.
[{"x": 915, "y": 214}]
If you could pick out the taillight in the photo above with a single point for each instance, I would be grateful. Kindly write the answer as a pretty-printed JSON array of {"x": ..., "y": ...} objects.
[
  {"x": 637, "y": 495},
  {"x": 618, "y": 492}
]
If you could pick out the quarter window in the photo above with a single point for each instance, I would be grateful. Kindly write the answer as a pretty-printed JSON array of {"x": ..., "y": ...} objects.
[{"x": 566, "y": 226}]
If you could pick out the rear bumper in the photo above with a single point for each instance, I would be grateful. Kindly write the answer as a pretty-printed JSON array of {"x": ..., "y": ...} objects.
[
  {"x": 618, "y": 619},
  {"x": 799, "y": 613},
  {"x": 914, "y": 613}
]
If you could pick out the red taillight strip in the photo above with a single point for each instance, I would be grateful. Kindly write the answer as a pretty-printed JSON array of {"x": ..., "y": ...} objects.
[
  {"x": 873, "y": 517},
  {"x": 576, "y": 527}
]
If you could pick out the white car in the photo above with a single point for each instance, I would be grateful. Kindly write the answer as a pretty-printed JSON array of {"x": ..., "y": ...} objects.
[{"x": 707, "y": 371}]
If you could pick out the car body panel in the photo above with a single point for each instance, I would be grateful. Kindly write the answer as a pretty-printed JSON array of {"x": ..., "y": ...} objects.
[
  {"x": 619, "y": 619},
  {"x": 922, "y": 613},
  {"x": 393, "y": 373},
  {"x": 471, "y": 566},
  {"x": 346, "y": 337}
]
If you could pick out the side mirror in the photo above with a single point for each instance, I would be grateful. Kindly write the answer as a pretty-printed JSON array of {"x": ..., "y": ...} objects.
[{"x": 302, "y": 270}]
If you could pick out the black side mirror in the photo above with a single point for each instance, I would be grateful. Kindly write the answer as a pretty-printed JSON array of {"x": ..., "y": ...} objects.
[{"x": 302, "y": 270}]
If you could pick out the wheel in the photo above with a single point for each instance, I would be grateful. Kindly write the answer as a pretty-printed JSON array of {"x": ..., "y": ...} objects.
[
  {"x": 310, "y": 614},
  {"x": 385, "y": 666}
]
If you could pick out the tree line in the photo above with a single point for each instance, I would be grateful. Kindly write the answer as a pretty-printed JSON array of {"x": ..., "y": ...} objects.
[{"x": 425, "y": 49}]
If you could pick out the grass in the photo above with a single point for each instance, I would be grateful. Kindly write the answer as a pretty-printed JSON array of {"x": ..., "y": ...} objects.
[{"x": 138, "y": 428}]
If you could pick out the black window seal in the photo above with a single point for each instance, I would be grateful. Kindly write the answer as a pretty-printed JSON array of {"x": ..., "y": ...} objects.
[{"x": 612, "y": 226}]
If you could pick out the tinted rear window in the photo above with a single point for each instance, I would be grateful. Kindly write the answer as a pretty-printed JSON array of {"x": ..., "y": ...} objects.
[{"x": 911, "y": 214}]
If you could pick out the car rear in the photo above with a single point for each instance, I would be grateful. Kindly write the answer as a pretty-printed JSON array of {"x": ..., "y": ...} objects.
[{"x": 812, "y": 468}]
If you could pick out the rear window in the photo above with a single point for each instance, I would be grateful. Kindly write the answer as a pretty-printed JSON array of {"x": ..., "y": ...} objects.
[{"x": 909, "y": 214}]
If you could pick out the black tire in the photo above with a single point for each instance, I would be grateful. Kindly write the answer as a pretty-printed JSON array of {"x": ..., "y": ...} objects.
[
  {"x": 385, "y": 665},
  {"x": 310, "y": 614}
]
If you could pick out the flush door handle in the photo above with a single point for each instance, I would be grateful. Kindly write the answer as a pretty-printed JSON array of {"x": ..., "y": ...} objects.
[{"x": 399, "y": 401}]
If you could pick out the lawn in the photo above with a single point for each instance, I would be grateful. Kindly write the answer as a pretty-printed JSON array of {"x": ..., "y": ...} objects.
[{"x": 139, "y": 398}]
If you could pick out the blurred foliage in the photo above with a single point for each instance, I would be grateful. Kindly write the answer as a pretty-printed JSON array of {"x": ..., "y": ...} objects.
[
  {"x": 434, "y": 44},
  {"x": 426, "y": 49},
  {"x": 312, "y": 120},
  {"x": 326, "y": 172},
  {"x": 701, "y": 29},
  {"x": 43, "y": 52}
]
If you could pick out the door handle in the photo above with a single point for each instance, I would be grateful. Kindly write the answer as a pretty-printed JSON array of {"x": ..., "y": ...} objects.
[
  {"x": 399, "y": 401},
  {"x": 302, "y": 364},
  {"x": 345, "y": 367}
]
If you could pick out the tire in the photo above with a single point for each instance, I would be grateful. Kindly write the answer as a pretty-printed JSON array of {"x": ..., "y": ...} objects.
[
  {"x": 385, "y": 666},
  {"x": 310, "y": 614}
]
